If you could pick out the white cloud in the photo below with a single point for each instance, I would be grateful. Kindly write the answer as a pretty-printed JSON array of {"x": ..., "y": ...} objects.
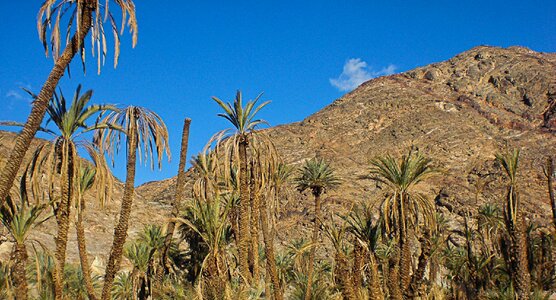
[{"x": 355, "y": 72}]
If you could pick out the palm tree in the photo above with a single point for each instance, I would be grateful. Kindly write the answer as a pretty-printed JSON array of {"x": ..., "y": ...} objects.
[
  {"x": 549, "y": 173},
  {"x": 402, "y": 207},
  {"x": 209, "y": 221},
  {"x": 367, "y": 234},
  {"x": 515, "y": 227},
  {"x": 315, "y": 175},
  {"x": 88, "y": 16},
  {"x": 336, "y": 234},
  {"x": 180, "y": 191},
  {"x": 19, "y": 217},
  {"x": 146, "y": 133},
  {"x": 61, "y": 158},
  {"x": 244, "y": 122},
  {"x": 88, "y": 177}
]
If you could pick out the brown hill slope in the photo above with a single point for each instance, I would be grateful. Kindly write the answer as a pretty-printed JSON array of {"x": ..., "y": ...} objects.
[{"x": 459, "y": 112}]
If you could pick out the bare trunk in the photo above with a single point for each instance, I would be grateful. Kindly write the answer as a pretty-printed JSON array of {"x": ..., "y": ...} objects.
[
  {"x": 19, "y": 278},
  {"x": 375, "y": 290},
  {"x": 549, "y": 177},
  {"x": 63, "y": 218},
  {"x": 40, "y": 104},
  {"x": 405, "y": 250},
  {"x": 316, "y": 229},
  {"x": 419, "y": 276},
  {"x": 120, "y": 232},
  {"x": 394, "y": 278},
  {"x": 271, "y": 269},
  {"x": 343, "y": 273},
  {"x": 180, "y": 191},
  {"x": 82, "y": 245},
  {"x": 245, "y": 233},
  {"x": 254, "y": 197},
  {"x": 358, "y": 263}
]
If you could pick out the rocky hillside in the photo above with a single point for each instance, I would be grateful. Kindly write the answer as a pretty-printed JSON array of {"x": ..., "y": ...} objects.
[{"x": 459, "y": 112}]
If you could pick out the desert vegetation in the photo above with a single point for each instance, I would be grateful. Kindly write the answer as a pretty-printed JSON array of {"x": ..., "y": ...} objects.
[{"x": 220, "y": 238}]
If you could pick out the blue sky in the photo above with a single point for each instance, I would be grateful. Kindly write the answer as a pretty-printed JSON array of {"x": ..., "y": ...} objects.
[{"x": 302, "y": 54}]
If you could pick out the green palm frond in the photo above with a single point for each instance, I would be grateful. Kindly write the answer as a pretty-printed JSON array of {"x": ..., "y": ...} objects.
[
  {"x": 242, "y": 117},
  {"x": 316, "y": 174}
]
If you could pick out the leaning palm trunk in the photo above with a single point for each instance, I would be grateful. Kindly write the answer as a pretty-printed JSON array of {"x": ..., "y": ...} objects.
[
  {"x": 82, "y": 245},
  {"x": 255, "y": 203},
  {"x": 180, "y": 191},
  {"x": 19, "y": 278},
  {"x": 120, "y": 232},
  {"x": 316, "y": 226},
  {"x": 63, "y": 215},
  {"x": 40, "y": 104},
  {"x": 244, "y": 232},
  {"x": 271, "y": 269}
]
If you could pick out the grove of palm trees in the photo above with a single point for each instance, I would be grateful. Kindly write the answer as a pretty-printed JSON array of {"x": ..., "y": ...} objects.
[{"x": 283, "y": 212}]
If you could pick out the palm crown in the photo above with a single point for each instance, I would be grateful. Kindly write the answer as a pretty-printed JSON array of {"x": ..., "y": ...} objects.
[
  {"x": 316, "y": 174},
  {"x": 243, "y": 118}
]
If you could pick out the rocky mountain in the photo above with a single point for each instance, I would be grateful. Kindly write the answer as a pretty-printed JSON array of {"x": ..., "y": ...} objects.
[{"x": 459, "y": 112}]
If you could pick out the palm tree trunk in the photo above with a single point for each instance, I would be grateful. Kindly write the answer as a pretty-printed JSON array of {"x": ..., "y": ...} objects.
[
  {"x": 82, "y": 245},
  {"x": 269, "y": 252},
  {"x": 120, "y": 232},
  {"x": 405, "y": 250},
  {"x": 358, "y": 263},
  {"x": 394, "y": 278},
  {"x": 20, "y": 280},
  {"x": 244, "y": 220},
  {"x": 63, "y": 217},
  {"x": 344, "y": 277},
  {"x": 522, "y": 278},
  {"x": 549, "y": 175},
  {"x": 255, "y": 203},
  {"x": 419, "y": 276},
  {"x": 180, "y": 191},
  {"x": 316, "y": 229},
  {"x": 375, "y": 290},
  {"x": 40, "y": 104}
]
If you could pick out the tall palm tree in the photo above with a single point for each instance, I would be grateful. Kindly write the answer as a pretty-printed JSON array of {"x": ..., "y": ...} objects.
[
  {"x": 549, "y": 173},
  {"x": 100, "y": 178},
  {"x": 60, "y": 161},
  {"x": 88, "y": 16},
  {"x": 402, "y": 207},
  {"x": 19, "y": 217},
  {"x": 515, "y": 227},
  {"x": 315, "y": 175},
  {"x": 180, "y": 191},
  {"x": 146, "y": 133},
  {"x": 244, "y": 122}
]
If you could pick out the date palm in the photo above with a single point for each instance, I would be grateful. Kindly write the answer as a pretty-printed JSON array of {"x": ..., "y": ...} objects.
[
  {"x": 317, "y": 176},
  {"x": 89, "y": 177},
  {"x": 515, "y": 226},
  {"x": 243, "y": 118},
  {"x": 59, "y": 161},
  {"x": 19, "y": 217},
  {"x": 82, "y": 16},
  {"x": 145, "y": 133},
  {"x": 402, "y": 208}
]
